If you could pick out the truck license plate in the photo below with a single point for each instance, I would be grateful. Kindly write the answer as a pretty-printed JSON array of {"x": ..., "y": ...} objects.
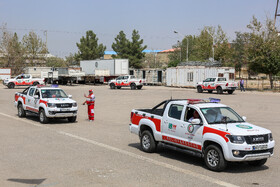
[
  {"x": 260, "y": 147},
  {"x": 64, "y": 109}
]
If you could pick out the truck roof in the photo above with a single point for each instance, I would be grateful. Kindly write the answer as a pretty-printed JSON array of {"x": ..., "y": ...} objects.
[
  {"x": 201, "y": 103},
  {"x": 44, "y": 87}
]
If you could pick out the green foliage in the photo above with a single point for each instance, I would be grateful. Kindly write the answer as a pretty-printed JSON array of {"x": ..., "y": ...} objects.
[
  {"x": 133, "y": 50},
  {"x": 71, "y": 60},
  {"x": 56, "y": 62},
  {"x": 35, "y": 48},
  {"x": 264, "y": 48},
  {"x": 89, "y": 49}
]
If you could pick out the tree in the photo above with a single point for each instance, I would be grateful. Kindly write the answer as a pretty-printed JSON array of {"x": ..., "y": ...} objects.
[
  {"x": 35, "y": 48},
  {"x": 89, "y": 49},
  {"x": 132, "y": 50},
  {"x": 12, "y": 51},
  {"x": 264, "y": 48},
  {"x": 71, "y": 60},
  {"x": 56, "y": 62}
]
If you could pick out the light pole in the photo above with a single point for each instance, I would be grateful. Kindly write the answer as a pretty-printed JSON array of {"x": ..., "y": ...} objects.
[
  {"x": 212, "y": 45},
  {"x": 187, "y": 56}
]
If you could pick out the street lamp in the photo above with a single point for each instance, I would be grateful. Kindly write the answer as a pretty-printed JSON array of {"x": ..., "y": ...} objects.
[
  {"x": 187, "y": 56},
  {"x": 212, "y": 45}
]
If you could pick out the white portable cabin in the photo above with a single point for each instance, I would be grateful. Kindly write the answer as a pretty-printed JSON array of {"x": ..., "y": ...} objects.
[
  {"x": 111, "y": 67},
  {"x": 189, "y": 76},
  {"x": 5, "y": 73},
  {"x": 152, "y": 76}
]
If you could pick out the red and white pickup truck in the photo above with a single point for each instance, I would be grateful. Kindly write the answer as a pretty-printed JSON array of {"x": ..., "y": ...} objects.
[
  {"x": 205, "y": 128},
  {"x": 47, "y": 102},
  {"x": 220, "y": 84},
  {"x": 126, "y": 81},
  {"x": 22, "y": 80}
]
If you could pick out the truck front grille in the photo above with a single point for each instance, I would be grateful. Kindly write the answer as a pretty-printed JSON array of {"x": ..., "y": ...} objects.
[
  {"x": 256, "y": 139},
  {"x": 64, "y": 105}
]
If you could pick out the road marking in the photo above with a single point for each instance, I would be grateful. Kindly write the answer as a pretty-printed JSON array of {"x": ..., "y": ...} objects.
[{"x": 133, "y": 155}]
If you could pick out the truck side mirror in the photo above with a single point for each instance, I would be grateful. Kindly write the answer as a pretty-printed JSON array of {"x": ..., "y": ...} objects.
[
  {"x": 195, "y": 121},
  {"x": 244, "y": 118},
  {"x": 36, "y": 96},
  {"x": 69, "y": 96}
]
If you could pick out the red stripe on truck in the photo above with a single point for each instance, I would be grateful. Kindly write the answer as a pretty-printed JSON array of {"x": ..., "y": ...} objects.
[
  {"x": 181, "y": 142},
  {"x": 215, "y": 131},
  {"x": 135, "y": 119}
]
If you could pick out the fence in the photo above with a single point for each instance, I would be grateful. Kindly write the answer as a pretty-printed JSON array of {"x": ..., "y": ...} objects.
[{"x": 261, "y": 84}]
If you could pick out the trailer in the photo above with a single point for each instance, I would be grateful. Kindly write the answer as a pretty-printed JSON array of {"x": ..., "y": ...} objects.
[
  {"x": 189, "y": 76},
  {"x": 101, "y": 71},
  {"x": 56, "y": 75}
]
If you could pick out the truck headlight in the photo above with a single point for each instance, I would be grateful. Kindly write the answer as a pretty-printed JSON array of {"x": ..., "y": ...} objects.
[
  {"x": 51, "y": 105},
  {"x": 236, "y": 139},
  {"x": 74, "y": 104},
  {"x": 270, "y": 137}
]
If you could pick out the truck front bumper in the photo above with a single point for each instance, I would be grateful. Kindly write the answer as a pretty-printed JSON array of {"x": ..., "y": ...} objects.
[{"x": 58, "y": 113}]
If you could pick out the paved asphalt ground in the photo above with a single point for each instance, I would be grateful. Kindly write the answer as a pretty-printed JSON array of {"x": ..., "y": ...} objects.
[{"x": 105, "y": 153}]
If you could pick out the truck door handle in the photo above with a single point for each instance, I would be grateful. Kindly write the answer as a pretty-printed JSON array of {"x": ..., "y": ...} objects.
[{"x": 183, "y": 126}]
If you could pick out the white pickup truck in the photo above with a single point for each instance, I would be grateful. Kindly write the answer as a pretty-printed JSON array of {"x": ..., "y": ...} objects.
[
  {"x": 47, "y": 102},
  {"x": 126, "y": 81},
  {"x": 22, "y": 80},
  {"x": 216, "y": 133},
  {"x": 220, "y": 84}
]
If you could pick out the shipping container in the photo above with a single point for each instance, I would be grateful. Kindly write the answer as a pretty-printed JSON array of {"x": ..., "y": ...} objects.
[
  {"x": 5, "y": 73},
  {"x": 189, "y": 76},
  {"x": 151, "y": 76}
]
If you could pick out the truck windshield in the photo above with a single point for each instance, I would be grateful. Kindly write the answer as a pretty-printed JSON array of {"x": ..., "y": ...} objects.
[
  {"x": 53, "y": 93},
  {"x": 221, "y": 115}
]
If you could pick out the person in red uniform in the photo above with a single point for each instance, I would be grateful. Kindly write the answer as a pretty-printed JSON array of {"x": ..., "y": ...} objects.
[{"x": 90, "y": 101}]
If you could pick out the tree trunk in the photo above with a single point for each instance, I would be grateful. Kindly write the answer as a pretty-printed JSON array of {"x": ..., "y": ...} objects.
[{"x": 271, "y": 80}]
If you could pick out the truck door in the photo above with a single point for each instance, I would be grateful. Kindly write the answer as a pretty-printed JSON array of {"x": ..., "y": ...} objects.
[
  {"x": 189, "y": 132},
  {"x": 171, "y": 123},
  {"x": 37, "y": 100},
  {"x": 30, "y": 100}
]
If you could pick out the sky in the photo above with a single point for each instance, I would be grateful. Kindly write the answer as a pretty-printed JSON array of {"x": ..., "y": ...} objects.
[{"x": 66, "y": 21}]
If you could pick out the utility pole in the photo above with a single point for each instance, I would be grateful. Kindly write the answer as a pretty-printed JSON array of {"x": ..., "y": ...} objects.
[
  {"x": 187, "y": 56},
  {"x": 46, "y": 34},
  {"x": 212, "y": 45},
  {"x": 276, "y": 14}
]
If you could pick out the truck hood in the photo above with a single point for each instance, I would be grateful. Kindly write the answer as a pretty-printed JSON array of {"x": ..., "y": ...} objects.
[
  {"x": 59, "y": 100},
  {"x": 242, "y": 129}
]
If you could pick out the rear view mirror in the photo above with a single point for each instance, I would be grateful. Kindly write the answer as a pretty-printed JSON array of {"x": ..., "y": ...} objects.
[
  {"x": 195, "y": 121},
  {"x": 36, "y": 96},
  {"x": 244, "y": 118},
  {"x": 69, "y": 96}
]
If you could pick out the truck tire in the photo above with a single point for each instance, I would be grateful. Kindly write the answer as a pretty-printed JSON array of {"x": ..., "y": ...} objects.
[
  {"x": 35, "y": 83},
  {"x": 133, "y": 86},
  {"x": 199, "y": 89},
  {"x": 112, "y": 86},
  {"x": 11, "y": 85},
  {"x": 214, "y": 158},
  {"x": 147, "y": 141},
  {"x": 42, "y": 117},
  {"x": 219, "y": 90},
  {"x": 21, "y": 111},
  {"x": 139, "y": 87},
  {"x": 72, "y": 119},
  {"x": 119, "y": 87},
  {"x": 257, "y": 163},
  {"x": 210, "y": 91},
  {"x": 230, "y": 91}
]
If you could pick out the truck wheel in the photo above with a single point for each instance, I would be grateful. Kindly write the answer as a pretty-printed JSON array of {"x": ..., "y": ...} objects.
[
  {"x": 219, "y": 90},
  {"x": 214, "y": 158},
  {"x": 42, "y": 117},
  {"x": 21, "y": 111},
  {"x": 147, "y": 141},
  {"x": 35, "y": 83},
  {"x": 133, "y": 86},
  {"x": 72, "y": 119},
  {"x": 199, "y": 89},
  {"x": 112, "y": 86},
  {"x": 210, "y": 91},
  {"x": 11, "y": 85},
  {"x": 230, "y": 91},
  {"x": 119, "y": 87},
  {"x": 257, "y": 162},
  {"x": 139, "y": 87}
]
